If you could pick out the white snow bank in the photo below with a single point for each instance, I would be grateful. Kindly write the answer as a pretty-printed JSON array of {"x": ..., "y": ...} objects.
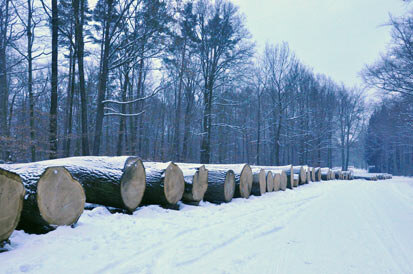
[{"x": 329, "y": 227}]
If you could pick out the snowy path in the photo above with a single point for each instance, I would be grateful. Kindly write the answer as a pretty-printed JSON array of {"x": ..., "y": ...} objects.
[{"x": 330, "y": 227}]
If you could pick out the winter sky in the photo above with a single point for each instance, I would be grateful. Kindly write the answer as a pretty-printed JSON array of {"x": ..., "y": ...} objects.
[{"x": 336, "y": 38}]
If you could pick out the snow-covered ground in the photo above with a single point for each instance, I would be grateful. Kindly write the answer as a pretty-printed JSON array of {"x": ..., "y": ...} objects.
[{"x": 329, "y": 227}]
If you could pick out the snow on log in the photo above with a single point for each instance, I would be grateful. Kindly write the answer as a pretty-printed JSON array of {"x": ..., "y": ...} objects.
[
  {"x": 288, "y": 170},
  {"x": 302, "y": 178},
  {"x": 11, "y": 202},
  {"x": 196, "y": 182},
  {"x": 243, "y": 178},
  {"x": 110, "y": 181},
  {"x": 269, "y": 178},
  {"x": 259, "y": 183},
  {"x": 165, "y": 184},
  {"x": 221, "y": 184},
  {"x": 277, "y": 181},
  {"x": 283, "y": 178},
  {"x": 325, "y": 174},
  {"x": 53, "y": 197}
]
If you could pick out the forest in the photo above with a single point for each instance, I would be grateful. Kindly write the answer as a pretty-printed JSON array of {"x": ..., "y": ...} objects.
[{"x": 184, "y": 81}]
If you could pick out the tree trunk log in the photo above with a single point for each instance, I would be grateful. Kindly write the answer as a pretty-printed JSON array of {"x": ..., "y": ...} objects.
[
  {"x": 11, "y": 202},
  {"x": 302, "y": 178},
  {"x": 53, "y": 197},
  {"x": 269, "y": 178},
  {"x": 277, "y": 181},
  {"x": 317, "y": 174},
  {"x": 259, "y": 184},
  {"x": 283, "y": 178},
  {"x": 288, "y": 173},
  {"x": 325, "y": 174},
  {"x": 196, "y": 182},
  {"x": 165, "y": 184},
  {"x": 243, "y": 178},
  {"x": 221, "y": 185}
]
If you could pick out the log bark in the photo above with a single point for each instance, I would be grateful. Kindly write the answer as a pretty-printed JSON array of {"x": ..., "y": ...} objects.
[
  {"x": 259, "y": 184},
  {"x": 196, "y": 182},
  {"x": 243, "y": 178},
  {"x": 221, "y": 185},
  {"x": 110, "y": 181},
  {"x": 165, "y": 184},
  {"x": 53, "y": 197},
  {"x": 11, "y": 203}
]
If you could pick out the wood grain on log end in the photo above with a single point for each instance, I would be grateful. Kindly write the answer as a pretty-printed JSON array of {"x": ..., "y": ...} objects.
[
  {"x": 277, "y": 181},
  {"x": 270, "y": 181},
  {"x": 133, "y": 183},
  {"x": 60, "y": 198},
  {"x": 11, "y": 202},
  {"x": 200, "y": 184},
  {"x": 174, "y": 184},
  {"x": 229, "y": 186},
  {"x": 283, "y": 181},
  {"x": 245, "y": 183}
]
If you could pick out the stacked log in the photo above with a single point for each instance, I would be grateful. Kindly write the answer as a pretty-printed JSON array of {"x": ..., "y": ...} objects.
[
  {"x": 11, "y": 202},
  {"x": 221, "y": 184},
  {"x": 269, "y": 178},
  {"x": 165, "y": 184},
  {"x": 325, "y": 174},
  {"x": 313, "y": 176},
  {"x": 52, "y": 197},
  {"x": 286, "y": 172},
  {"x": 277, "y": 181},
  {"x": 196, "y": 182},
  {"x": 243, "y": 178},
  {"x": 302, "y": 175},
  {"x": 259, "y": 183},
  {"x": 296, "y": 179},
  {"x": 283, "y": 178},
  {"x": 317, "y": 172}
]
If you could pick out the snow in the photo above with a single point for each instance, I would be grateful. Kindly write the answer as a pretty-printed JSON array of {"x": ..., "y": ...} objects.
[{"x": 323, "y": 227}]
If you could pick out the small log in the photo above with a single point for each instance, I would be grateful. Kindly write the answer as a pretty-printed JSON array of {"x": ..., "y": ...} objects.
[
  {"x": 296, "y": 179},
  {"x": 325, "y": 174},
  {"x": 196, "y": 182},
  {"x": 53, "y": 197},
  {"x": 259, "y": 183},
  {"x": 302, "y": 174},
  {"x": 269, "y": 178},
  {"x": 11, "y": 203},
  {"x": 313, "y": 176},
  {"x": 221, "y": 184},
  {"x": 283, "y": 178},
  {"x": 288, "y": 173},
  {"x": 317, "y": 174},
  {"x": 165, "y": 184}
]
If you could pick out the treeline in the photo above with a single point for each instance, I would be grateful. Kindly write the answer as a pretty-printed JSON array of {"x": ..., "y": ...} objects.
[
  {"x": 164, "y": 80},
  {"x": 389, "y": 141}
]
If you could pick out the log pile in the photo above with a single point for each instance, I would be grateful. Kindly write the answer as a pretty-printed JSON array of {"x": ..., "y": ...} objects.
[{"x": 40, "y": 196}]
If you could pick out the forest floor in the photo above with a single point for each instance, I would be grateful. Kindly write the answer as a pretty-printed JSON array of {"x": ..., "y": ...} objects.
[{"x": 329, "y": 227}]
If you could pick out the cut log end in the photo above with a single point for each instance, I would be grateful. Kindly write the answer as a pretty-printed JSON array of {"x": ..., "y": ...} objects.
[
  {"x": 277, "y": 181},
  {"x": 245, "y": 184},
  {"x": 283, "y": 181},
  {"x": 200, "y": 184},
  {"x": 60, "y": 198},
  {"x": 229, "y": 186},
  {"x": 11, "y": 203},
  {"x": 133, "y": 183},
  {"x": 174, "y": 184},
  {"x": 270, "y": 182}
]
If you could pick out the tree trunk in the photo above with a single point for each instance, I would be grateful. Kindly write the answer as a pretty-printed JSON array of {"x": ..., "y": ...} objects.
[
  {"x": 103, "y": 78},
  {"x": 30, "y": 80},
  {"x": 53, "y": 197},
  {"x": 121, "y": 132},
  {"x": 221, "y": 184},
  {"x": 259, "y": 183},
  {"x": 165, "y": 184},
  {"x": 54, "y": 79},
  {"x": 196, "y": 182}
]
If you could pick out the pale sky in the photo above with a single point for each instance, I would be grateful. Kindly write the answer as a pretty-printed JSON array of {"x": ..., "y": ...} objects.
[{"x": 336, "y": 38}]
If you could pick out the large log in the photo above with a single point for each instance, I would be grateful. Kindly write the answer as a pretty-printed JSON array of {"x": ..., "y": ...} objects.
[
  {"x": 317, "y": 174},
  {"x": 196, "y": 182},
  {"x": 165, "y": 184},
  {"x": 325, "y": 174},
  {"x": 243, "y": 178},
  {"x": 313, "y": 175},
  {"x": 302, "y": 175},
  {"x": 288, "y": 170},
  {"x": 117, "y": 182},
  {"x": 53, "y": 197},
  {"x": 259, "y": 184},
  {"x": 11, "y": 203},
  {"x": 221, "y": 184}
]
